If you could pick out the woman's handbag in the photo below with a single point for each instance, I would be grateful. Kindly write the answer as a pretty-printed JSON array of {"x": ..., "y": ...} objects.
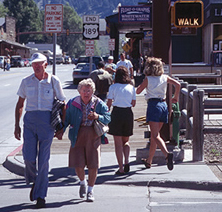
[{"x": 99, "y": 127}]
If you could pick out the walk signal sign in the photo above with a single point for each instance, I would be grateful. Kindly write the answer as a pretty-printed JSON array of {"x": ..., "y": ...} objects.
[{"x": 188, "y": 14}]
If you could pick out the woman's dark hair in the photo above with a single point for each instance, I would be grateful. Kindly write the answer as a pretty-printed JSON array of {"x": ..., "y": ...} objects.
[{"x": 122, "y": 75}]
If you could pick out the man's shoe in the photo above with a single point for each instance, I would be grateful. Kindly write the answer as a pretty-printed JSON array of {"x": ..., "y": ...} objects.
[
  {"x": 31, "y": 192},
  {"x": 40, "y": 203},
  {"x": 169, "y": 159},
  {"x": 82, "y": 191},
  {"x": 90, "y": 197}
]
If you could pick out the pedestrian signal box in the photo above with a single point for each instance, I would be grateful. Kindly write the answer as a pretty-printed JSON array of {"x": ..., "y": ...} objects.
[{"x": 188, "y": 14}]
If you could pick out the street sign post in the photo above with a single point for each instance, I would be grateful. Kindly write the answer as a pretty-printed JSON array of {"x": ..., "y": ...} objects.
[
  {"x": 90, "y": 27},
  {"x": 90, "y": 52}
]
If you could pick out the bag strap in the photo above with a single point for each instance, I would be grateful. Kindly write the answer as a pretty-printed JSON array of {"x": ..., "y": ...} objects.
[
  {"x": 95, "y": 105},
  {"x": 52, "y": 78}
]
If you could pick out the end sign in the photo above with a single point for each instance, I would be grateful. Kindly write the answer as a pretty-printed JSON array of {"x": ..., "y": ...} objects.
[{"x": 188, "y": 14}]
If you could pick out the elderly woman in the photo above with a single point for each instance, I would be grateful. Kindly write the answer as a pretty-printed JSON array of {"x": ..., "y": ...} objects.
[
  {"x": 122, "y": 96},
  {"x": 81, "y": 112}
]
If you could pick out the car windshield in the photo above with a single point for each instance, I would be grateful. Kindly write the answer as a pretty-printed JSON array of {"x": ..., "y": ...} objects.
[{"x": 82, "y": 66}]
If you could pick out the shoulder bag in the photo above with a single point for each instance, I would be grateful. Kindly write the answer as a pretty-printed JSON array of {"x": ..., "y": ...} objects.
[{"x": 99, "y": 127}]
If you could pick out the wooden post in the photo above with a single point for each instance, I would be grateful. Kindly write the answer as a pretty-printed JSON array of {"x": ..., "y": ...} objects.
[
  {"x": 183, "y": 99},
  {"x": 218, "y": 80},
  {"x": 183, "y": 105},
  {"x": 198, "y": 122},
  {"x": 189, "y": 111}
]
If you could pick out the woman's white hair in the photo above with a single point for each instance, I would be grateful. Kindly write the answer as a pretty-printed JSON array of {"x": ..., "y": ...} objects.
[{"x": 87, "y": 82}]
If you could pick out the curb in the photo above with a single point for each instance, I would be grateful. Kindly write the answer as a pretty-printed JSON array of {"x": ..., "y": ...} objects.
[
  {"x": 193, "y": 185},
  {"x": 12, "y": 164}
]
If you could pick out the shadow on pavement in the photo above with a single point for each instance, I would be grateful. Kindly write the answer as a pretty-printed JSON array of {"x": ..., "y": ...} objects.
[{"x": 26, "y": 206}]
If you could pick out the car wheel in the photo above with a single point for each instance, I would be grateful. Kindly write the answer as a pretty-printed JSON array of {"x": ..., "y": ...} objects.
[{"x": 75, "y": 81}]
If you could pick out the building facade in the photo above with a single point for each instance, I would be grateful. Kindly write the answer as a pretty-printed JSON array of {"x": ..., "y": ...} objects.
[{"x": 212, "y": 29}]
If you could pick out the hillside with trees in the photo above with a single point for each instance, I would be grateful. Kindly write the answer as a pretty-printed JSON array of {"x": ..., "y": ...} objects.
[
  {"x": 29, "y": 15},
  {"x": 90, "y": 7}
]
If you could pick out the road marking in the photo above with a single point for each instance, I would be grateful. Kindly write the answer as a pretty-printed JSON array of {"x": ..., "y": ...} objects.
[
  {"x": 157, "y": 204},
  {"x": 7, "y": 85}
]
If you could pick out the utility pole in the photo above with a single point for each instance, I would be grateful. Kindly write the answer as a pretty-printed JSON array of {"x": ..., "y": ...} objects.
[{"x": 162, "y": 48}]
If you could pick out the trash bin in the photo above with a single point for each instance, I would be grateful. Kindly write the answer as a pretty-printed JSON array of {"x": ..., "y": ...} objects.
[{"x": 176, "y": 117}]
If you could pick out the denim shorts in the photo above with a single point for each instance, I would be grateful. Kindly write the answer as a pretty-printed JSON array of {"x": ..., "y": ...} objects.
[{"x": 157, "y": 110}]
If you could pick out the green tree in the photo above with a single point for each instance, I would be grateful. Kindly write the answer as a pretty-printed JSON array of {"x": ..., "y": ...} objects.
[
  {"x": 27, "y": 17},
  {"x": 3, "y": 10},
  {"x": 72, "y": 44}
]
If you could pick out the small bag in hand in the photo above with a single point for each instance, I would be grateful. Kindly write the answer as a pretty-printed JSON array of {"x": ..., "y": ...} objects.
[{"x": 100, "y": 128}]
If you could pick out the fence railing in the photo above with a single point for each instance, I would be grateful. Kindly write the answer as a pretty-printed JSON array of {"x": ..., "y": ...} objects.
[{"x": 197, "y": 101}]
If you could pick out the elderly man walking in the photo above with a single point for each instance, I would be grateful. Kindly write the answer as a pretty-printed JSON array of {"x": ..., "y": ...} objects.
[{"x": 39, "y": 91}]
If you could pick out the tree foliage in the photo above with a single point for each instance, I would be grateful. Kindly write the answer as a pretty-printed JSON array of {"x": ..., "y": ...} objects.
[
  {"x": 27, "y": 17},
  {"x": 3, "y": 10},
  {"x": 92, "y": 7},
  {"x": 73, "y": 43}
]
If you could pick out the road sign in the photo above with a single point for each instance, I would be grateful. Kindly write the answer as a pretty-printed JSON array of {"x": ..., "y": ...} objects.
[
  {"x": 89, "y": 48},
  {"x": 111, "y": 44},
  {"x": 53, "y": 18},
  {"x": 188, "y": 14},
  {"x": 90, "y": 27}
]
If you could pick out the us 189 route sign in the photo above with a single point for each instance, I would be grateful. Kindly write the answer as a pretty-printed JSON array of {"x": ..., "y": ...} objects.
[
  {"x": 53, "y": 18},
  {"x": 90, "y": 27}
]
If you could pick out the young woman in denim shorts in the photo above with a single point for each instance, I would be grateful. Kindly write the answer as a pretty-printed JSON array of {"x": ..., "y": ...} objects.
[{"x": 155, "y": 84}]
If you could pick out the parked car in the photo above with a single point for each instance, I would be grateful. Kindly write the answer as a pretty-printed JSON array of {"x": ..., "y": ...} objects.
[
  {"x": 2, "y": 61},
  {"x": 81, "y": 71},
  {"x": 84, "y": 59},
  {"x": 26, "y": 62},
  {"x": 105, "y": 58},
  {"x": 30, "y": 61},
  {"x": 59, "y": 60},
  {"x": 16, "y": 61},
  {"x": 74, "y": 60}
]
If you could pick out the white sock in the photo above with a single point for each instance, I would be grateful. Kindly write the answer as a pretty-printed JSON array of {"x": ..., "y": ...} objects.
[
  {"x": 83, "y": 182},
  {"x": 90, "y": 189}
]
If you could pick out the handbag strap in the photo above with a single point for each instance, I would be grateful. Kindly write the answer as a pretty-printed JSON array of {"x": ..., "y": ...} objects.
[
  {"x": 52, "y": 79},
  {"x": 95, "y": 105}
]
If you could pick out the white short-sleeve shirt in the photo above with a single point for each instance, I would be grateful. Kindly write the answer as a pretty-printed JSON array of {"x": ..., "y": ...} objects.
[
  {"x": 122, "y": 94},
  {"x": 126, "y": 63},
  {"x": 39, "y": 95}
]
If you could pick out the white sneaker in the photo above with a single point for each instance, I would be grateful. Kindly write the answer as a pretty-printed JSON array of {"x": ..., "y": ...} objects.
[
  {"x": 82, "y": 191},
  {"x": 90, "y": 197}
]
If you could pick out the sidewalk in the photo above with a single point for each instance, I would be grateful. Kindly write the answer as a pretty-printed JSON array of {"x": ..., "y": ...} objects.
[{"x": 134, "y": 191}]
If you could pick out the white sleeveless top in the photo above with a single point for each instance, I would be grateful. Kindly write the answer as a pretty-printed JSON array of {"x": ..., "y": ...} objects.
[{"x": 157, "y": 87}]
